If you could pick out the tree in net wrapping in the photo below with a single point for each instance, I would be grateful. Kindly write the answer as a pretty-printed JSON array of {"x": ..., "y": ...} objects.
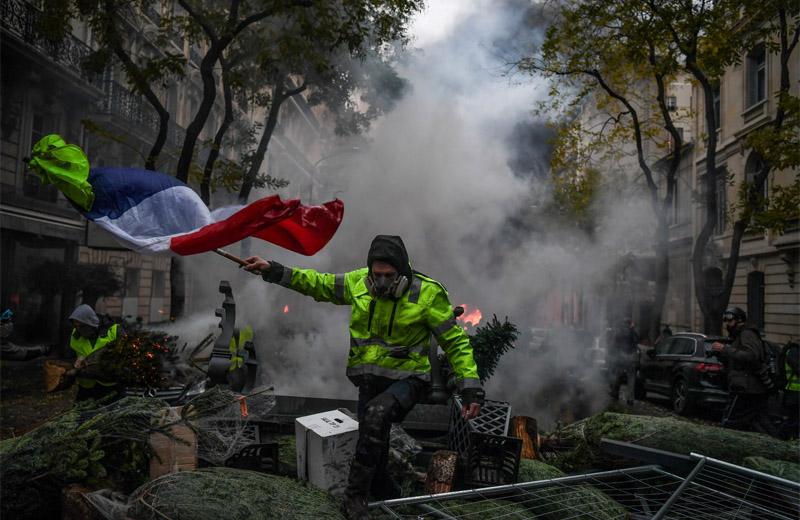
[{"x": 214, "y": 493}]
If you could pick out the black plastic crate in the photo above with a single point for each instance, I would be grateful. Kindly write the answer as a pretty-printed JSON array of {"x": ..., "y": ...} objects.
[
  {"x": 256, "y": 457},
  {"x": 494, "y": 419},
  {"x": 492, "y": 460}
]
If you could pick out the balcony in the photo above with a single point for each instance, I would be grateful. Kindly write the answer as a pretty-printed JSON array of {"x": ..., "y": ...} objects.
[
  {"x": 22, "y": 20},
  {"x": 134, "y": 109}
]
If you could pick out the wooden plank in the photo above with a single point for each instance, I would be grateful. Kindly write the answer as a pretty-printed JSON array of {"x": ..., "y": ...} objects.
[{"x": 525, "y": 428}]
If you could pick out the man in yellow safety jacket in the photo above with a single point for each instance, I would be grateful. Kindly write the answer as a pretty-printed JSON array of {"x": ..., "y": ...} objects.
[
  {"x": 87, "y": 340},
  {"x": 394, "y": 311}
]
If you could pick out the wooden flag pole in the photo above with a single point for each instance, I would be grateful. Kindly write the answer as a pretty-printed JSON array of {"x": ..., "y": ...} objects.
[{"x": 229, "y": 256}]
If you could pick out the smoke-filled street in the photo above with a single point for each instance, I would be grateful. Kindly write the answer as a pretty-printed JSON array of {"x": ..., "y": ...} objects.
[{"x": 399, "y": 259}]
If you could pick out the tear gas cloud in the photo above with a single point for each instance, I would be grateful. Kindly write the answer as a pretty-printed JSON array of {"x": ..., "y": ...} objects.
[{"x": 443, "y": 171}]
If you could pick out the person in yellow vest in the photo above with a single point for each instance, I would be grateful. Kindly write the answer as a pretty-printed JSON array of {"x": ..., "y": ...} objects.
[
  {"x": 88, "y": 339},
  {"x": 791, "y": 391},
  {"x": 394, "y": 310},
  {"x": 237, "y": 373}
]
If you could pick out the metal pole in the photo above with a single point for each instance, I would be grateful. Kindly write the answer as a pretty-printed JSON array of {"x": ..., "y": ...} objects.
[
  {"x": 740, "y": 500},
  {"x": 747, "y": 471},
  {"x": 671, "y": 500},
  {"x": 496, "y": 490},
  {"x": 435, "y": 512}
]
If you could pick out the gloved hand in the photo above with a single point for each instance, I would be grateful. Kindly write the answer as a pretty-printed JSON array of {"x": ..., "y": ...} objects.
[{"x": 472, "y": 399}]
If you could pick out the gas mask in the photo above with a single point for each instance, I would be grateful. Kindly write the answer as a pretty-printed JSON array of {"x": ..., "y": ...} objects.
[{"x": 386, "y": 286}]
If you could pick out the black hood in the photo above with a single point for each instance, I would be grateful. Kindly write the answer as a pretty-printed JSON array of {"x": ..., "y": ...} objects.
[{"x": 389, "y": 249}]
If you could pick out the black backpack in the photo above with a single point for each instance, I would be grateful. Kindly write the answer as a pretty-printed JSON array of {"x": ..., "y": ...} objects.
[{"x": 769, "y": 371}]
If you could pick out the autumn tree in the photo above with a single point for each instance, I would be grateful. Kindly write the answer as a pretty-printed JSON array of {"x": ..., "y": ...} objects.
[
  {"x": 608, "y": 59},
  {"x": 620, "y": 56}
]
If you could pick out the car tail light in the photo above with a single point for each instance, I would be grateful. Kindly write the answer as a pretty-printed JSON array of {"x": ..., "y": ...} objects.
[{"x": 708, "y": 367}]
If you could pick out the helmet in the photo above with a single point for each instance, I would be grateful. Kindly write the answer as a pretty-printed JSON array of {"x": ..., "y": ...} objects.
[{"x": 734, "y": 313}]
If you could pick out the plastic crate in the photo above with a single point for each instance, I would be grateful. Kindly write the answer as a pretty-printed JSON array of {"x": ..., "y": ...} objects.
[
  {"x": 494, "y": 419},
  {"x": 493, "y": 460},
  {"x": 256, "y": 457}
]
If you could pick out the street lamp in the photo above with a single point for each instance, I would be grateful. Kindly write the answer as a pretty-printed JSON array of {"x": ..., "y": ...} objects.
[{"x": 314, "y": 169}]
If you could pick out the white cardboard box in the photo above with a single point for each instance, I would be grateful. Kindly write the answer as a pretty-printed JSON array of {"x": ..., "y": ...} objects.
[{"x": 326, "y": 443}]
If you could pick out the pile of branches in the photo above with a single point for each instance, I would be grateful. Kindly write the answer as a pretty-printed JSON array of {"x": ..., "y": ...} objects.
[
  {"x": 107, "y": 446},
  {"x": 89, "y": 444}
]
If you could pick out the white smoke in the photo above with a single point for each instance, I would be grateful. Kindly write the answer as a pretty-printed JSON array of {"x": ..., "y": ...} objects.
[{"x": 436, "y": 172}]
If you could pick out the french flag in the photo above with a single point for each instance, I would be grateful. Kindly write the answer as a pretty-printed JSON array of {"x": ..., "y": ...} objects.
[{"x": 153, "y": 213}]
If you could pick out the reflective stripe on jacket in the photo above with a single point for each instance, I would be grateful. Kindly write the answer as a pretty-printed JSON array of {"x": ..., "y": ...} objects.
[
  {"x": 792, "y": 379},
  {"x": 236, "y": 347},
  {"x": 85, "y": 348},
  {"x": 391, "y": 338}
]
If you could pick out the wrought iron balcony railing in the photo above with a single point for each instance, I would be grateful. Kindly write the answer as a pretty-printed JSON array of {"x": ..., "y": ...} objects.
[
  {"x": 22, "y": 19},
  {"x": 121, "y": 102}
]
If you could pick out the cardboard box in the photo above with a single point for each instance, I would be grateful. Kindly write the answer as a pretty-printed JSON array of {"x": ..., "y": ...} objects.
[
  {"x": 177, "y": 452},
  {"x": 326, "y": 444}
]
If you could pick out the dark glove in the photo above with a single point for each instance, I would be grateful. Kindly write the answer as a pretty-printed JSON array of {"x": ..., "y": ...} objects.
[
  {"x": 275, "y": 272},
  {"x": 472, "y": 395}
]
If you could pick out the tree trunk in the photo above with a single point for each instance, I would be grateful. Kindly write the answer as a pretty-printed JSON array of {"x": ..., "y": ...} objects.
[
  {"x": 661, "y": 277},
  {"x": 213, "y": 154},
  {"x": 177, "y": 288},
  {"x": 139, "y": 81},
  {"x": 709, "y": 303},
  {"x": 278, "y": 97},
  {"x": 200, "y": 118}
]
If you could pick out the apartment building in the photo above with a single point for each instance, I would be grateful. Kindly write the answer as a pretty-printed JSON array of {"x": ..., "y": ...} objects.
[{"x": 44, "y": 90}]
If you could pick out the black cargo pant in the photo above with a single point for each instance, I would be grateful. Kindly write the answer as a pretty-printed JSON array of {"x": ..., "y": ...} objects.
[
  {"x": 749, "y": 412},
  {"x": 381, "y": 402}
]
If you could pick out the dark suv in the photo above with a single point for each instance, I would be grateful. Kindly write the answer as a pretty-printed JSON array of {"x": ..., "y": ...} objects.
[{"x": 684, "y": 368}]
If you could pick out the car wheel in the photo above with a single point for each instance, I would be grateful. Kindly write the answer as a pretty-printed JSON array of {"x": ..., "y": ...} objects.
[{"x": 680, "y": 397}]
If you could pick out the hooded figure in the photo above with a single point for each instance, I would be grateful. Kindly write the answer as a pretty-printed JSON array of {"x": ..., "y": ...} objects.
[
  {"x": 87, "y": 340},
  {"x": 394, "y": 312}
]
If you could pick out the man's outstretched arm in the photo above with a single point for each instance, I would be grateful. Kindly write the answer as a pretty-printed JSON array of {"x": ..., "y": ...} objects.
[{"x": 323, "y": 287}]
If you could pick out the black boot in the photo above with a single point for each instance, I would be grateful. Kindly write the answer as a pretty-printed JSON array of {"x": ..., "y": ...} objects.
[
  {"x": 354, "y": 507},
  {"x": 359, "y": 480}
]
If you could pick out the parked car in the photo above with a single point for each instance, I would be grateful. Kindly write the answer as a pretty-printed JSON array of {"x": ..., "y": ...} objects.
[{"x": 684, "y": 368}]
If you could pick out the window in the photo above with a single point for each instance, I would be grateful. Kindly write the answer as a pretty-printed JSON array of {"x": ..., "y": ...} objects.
[
  {"x": 756, "y": 64},
  {"x": 717, "y": 106},
  {"x": 672, "y": 103},
  {"x": 752, "y": 167},
  {"x": 157, "y": 289},
  {"x": 755, "y": 298},
  {"x": 682, "y": 347},
  {"x": 32, "y": 186},
  {"x": 131, "y": 283},
  {"x": 665, "y": 346}
]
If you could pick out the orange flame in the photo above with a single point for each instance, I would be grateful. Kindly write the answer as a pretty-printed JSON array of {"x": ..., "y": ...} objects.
[
  {"x": 470, "y": 317},
  {"x": 286, "y": 309}
]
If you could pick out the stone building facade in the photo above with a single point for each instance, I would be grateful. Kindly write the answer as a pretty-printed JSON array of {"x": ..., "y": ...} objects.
[{"x": 44, "y": 90}]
